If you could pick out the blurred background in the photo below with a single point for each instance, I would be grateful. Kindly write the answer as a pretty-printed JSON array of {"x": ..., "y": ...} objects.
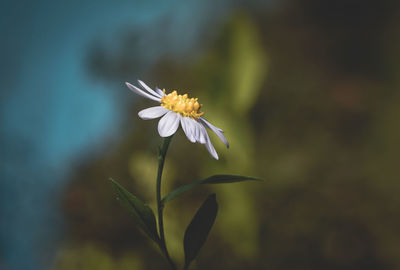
[{"x": 307, "y": 92}]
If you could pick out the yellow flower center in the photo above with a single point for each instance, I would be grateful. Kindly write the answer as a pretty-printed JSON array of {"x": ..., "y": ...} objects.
[{"x": 182, "y": 104}]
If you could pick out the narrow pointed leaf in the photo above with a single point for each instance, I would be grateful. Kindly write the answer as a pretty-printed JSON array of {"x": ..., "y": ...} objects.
[
  {"x": 199, "y": 228},
  {"x": 215, "y": 179},
  {"x": 142, "y": 213}
]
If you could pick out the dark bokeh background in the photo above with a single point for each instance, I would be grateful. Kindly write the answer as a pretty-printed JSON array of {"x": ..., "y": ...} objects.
[{"x": 307, "y": 92}]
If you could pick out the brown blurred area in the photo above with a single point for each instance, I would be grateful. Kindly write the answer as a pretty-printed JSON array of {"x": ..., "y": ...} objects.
[{"x": 307, "y": 94}]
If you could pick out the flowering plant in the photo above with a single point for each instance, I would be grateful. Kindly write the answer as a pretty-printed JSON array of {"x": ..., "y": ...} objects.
[{"x": 177, "y": 110}]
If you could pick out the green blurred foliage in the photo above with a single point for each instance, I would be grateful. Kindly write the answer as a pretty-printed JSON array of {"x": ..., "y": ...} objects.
[
  {"x": 305, "y": 109},
  {"x": 91, "y": 256}
]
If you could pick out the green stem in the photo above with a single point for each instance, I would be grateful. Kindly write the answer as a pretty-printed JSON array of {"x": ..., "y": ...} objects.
[{"x": 160, "y": 205}]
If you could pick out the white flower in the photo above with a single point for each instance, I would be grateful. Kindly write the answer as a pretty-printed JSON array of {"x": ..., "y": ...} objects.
[{"x": 175, "y": 109}]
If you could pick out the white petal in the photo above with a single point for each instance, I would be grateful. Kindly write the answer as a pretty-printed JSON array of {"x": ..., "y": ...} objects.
[
  {"x": 197, "y": 131},
  {"x": 216, "y": 130},
  {"x": 152, "y": 112},
  {"x": 203, "y": 133},
  {"x": 141, "y": 92},
  {"x": 168, "y": 124},
  {"x": 146, "y": 87},
  {"x": 191, "y": 124},
  {"x": 186, "y": 126},
  {"x": 160, "y": 92},
  {"x": 211, "y": 148}
]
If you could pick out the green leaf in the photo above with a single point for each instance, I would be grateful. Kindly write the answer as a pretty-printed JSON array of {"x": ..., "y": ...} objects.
[
  {"x": 198, "y": 229},
  {"x": 215, "y": 179},
  {"x": 142, "y": 213},
  {"x": 228, "y": 178}
]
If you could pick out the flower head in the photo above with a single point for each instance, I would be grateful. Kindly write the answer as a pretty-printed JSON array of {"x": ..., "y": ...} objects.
[{"x": 178, "y": 109}]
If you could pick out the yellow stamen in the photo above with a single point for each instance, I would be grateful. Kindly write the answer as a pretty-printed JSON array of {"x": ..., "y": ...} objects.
[{"x": 182, "y": 104}]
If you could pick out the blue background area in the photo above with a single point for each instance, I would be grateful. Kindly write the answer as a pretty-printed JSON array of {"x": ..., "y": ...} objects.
[{"x": 52, "y": 113}]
